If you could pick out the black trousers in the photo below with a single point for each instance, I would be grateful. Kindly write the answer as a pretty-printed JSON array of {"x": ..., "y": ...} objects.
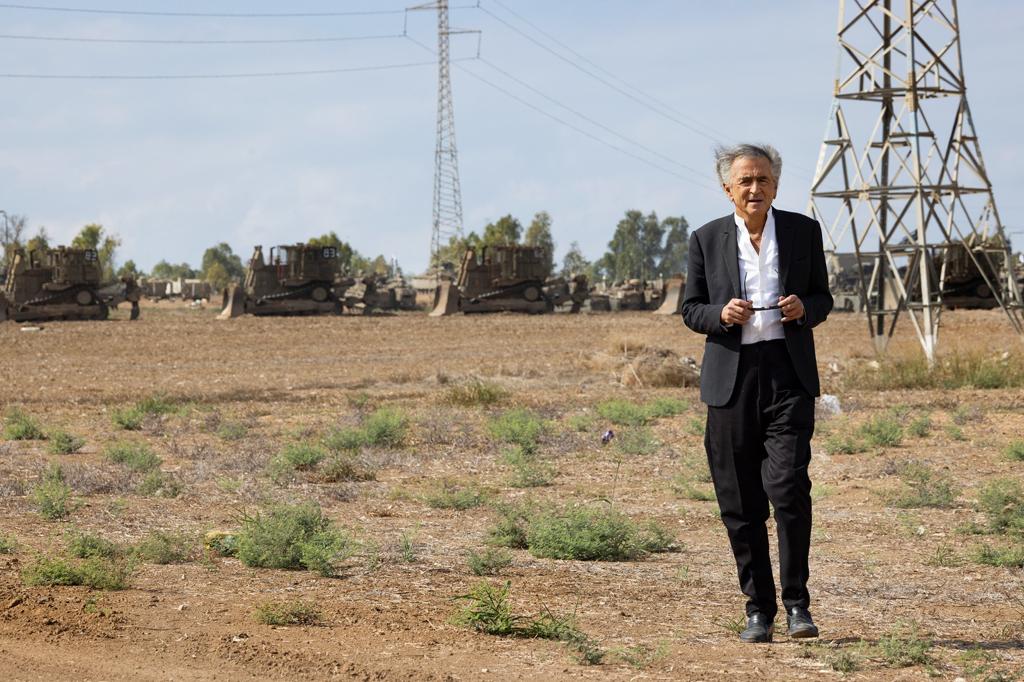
[{"x": 759, "y": 446}]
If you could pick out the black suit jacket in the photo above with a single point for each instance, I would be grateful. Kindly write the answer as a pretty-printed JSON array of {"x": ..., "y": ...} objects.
[{"x": 713, "y": 278}]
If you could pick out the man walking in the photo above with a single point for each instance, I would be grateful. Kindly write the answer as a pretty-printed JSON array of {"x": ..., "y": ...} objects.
[{"x": 756, "y": 286}]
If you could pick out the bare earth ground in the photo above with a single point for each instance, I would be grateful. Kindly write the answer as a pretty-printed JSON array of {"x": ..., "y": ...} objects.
[{"x": 289, "y": 379}]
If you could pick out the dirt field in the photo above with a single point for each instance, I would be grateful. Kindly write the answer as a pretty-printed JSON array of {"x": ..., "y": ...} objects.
[{"x": 245, "y": 389}]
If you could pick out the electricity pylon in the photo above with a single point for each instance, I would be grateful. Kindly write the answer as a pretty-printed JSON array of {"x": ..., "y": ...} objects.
[{"x": 900, "y": 179}]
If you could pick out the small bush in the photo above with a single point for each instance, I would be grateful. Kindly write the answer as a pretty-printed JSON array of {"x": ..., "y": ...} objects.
[
  {"x": 490, "y": 562},
  {"x": 293, "y": 537},
  {"x": 97, "y": 573},
  {"x": 7, "y": 544},
  {"x": 52, "y": 496},
  {"x": 843, "y": 444},
  {"x": 527, "y": 470},
  {"x": 623, "y": 412},
  {"x": 843, "y": 662},
  {"x": 920, "y": 427},
  {"x": 157, "y": 405},
  {"x": 294, "y": 457},
  {"x": 592, "y": 534},
  {"x": 136, "y": 456},
  {"x": 232, "y": 430},
  {"x": 955, "y": 432},
  {"x": 64, "y": 443},
  {"x": 518, "y": 427},
  {"x": 882, "y": 431},
  {"x": 665, "y": 407},
  {"x": 636, "y": 441},
  {"x": 345, "y": 440},
  {"x": 288, "y": 613},
  {"x": 128, "y": 418},
  {"x": 475, "y": 392},
  {"x": 87, "y": 546},
  {"x": 449, "y": 495},
  {"x": 696, "y": 426},
  {"x": 1002, "y": 500},
  {"x": 158, "y": 484},
  {"x": 489, "y": 610},
  {"x": 904, "y": 646},
  {"x": 582, "y": 423},
  {"x": 346, "y": 467},
  {"x": 510, "y": 529},
  {"x": 685, "y": 487},
  {"x": 162, "y": 547},
  {"x": 20, "y": 426},
  {"x": 221, "y": 543},
  {"x": 922, "y": 488},
  {"x": 386, "y": 427},
  {"x": 1015, "y": 451},
  {"x": 1001, "y": 557}
]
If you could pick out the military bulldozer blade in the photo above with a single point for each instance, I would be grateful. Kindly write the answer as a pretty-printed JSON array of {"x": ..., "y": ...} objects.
[
  {"x": 446, "y": 299},
  {"x": 233, "y": 302},
  {"x": 673, "y": 301}
]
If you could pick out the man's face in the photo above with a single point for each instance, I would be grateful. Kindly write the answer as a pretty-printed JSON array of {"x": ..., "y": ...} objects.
[{"x": 751, "y": 187}]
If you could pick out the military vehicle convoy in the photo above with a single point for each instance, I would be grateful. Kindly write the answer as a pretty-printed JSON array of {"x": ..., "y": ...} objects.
[
  {"x": 296, "y": 280},
  {"x": 496, "y": 279},
  {"x": 61, "y": 284}
]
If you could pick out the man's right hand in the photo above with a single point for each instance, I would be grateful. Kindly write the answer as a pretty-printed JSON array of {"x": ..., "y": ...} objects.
[{"x": 737, "y": 311}]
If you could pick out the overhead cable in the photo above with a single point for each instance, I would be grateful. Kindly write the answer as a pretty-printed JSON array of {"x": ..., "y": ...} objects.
[
  {"x": 217, "y": 15},
  {"x": 170, "y": 41}
]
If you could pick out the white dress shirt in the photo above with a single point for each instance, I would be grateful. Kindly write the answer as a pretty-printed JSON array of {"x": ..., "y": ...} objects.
[{"x": 759, "y": 281}]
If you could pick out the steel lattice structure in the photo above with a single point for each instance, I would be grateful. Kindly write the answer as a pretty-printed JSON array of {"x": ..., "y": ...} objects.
[
  {"x": 447, "y": 189},
  {"x": 900, "y": 179}
]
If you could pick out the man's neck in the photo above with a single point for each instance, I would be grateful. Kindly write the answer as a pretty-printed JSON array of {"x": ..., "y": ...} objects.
[{"x": 755, "y": 223}]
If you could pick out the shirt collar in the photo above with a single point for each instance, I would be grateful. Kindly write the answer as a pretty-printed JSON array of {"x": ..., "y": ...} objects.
[{"x": 769, "y": 224}]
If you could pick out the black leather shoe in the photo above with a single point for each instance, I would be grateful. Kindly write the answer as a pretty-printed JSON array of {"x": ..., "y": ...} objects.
[
  {"x": 759, "y": 629},
  {"x": 799, "y": 624}
]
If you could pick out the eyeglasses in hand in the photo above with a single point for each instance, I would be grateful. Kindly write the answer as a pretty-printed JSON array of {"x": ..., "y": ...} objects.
[{"x": 743, "y": 287}]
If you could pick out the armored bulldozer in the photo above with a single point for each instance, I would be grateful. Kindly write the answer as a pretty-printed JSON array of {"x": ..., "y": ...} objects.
[
  {"x": 61, "y": 284},
  {"x": 379, "y": 293},
  {"x": 497, "y": 279},
  {"x": 297, "y": 280},
  {"x": 672, "y": 296},
  {"x": 567, "y": 294},
  {"x": 968, "y": 267}
]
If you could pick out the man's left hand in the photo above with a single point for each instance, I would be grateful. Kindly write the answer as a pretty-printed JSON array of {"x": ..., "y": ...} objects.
[{"x": 792, "y": 308}]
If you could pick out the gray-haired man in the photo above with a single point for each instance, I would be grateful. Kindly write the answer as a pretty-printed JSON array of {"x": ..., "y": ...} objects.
[{"x": 756, "y": 286}]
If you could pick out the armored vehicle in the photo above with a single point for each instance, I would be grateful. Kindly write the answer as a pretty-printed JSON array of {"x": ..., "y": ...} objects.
[
  {"x": 61, "y": 284},
  {"x": 497, "y": 279},
  {"x": 297, "y": 280},
  {"x": 568, "y": 294},
  {"x": 672, "y": 298}
]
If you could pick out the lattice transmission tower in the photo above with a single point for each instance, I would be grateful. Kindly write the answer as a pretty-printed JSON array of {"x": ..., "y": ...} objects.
[
  {"x": 447, "y": 190},
  {"x": 900, "y": 179}
]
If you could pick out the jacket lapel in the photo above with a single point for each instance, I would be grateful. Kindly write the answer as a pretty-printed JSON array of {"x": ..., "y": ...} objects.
[
  {"x": 731, "y": 253},
  {"x": 784, "y": 239}
]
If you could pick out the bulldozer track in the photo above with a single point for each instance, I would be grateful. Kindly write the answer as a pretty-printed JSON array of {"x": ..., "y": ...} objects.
[
  {"x": 294, "y": 293},
  {"x": 55, "y": 297}
]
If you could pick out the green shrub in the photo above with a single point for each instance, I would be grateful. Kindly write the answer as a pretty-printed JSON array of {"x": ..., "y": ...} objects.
[
  {"x": 490, "y": 562},
  {"x": 527, "y": 470},
  {"x": 128, "y": 418},
  {"x": 162, "y": 547},
  {"x": 87, "y": 546},
  {"x": 518, "y": 427},
  {"x": 232, "y": 430},
  {"x": 581, "y": 423},
  {"x": 157, "y": 405},
  {"x": 288, "y": 613},
  {"x": 843, "y": 444},
  {"x": 342, "y": 440},
  {"x": 64, "y": 443},
  {"x": 52, "y": 496},
  {"x": 294, "y": 457},
  {"x": 7, "y": 544},
  {"x": 904, "y": 646},
  {"x": 20, "y": 426},
  {"x": 882, "y": 431},
  {"x": 843, "y": 662},
  {"x": 1001, "y": 557},
  {"x": 955, "y": 432},
  {"x": 636, "y": 441},
  {"x": 956, "y": 370},
  {"x": 592, "y": 534},
  {"x": 346, "y": 467},
  {"x": 1015, "y": 450},
  {"x": 920, "y": 427},
  {"x": 157, "y": 483},
  {"x": 450, "y": 495},
  {"x": 623, "y": 412},
  {"x": 386, "y": 427},
  {"x": 489, "y": 610},
  {"x": 695, "y": 426},
  {"x": 1002, "y": 500},
  {"x": 922, "y": 488},
  {"x": 475, "y": 392},
  {"x": 293, "y": 537},
  {"x": 510, "y": 529},
  {"x": 97, "y": 572},
  {"x": 666, "y": 407},
  {"x": 136, "y": 456},
  {"x": 684, "y": 486}
]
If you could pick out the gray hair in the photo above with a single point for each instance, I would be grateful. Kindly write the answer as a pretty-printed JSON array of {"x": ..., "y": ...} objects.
[{"x": 726, "y": 156}]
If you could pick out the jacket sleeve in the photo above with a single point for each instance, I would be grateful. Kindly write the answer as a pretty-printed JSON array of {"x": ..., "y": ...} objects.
[
  {"x": 699, "y": 314},
  {"x": 818, "y": 301}
]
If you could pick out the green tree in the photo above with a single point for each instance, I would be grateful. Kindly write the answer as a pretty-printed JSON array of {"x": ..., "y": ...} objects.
[
  {"x": 677, "y": 241},
  {"x": 451, "y": 254},
  {"x": 165, "y": 270},
  {"x": 12, "y": 231},
  {"x": 379, "y": 266},
  {"x": 231, "y": 268},
  {"x": 575, "y": 263},
  {"x": 93, "y": 236},
  {"x": 40, "y": 242},
  {"x": 539, "y": 234},
  {"x": 505, "y": 232},
  {"x": 349, "y": 260},
  {"x": 129, "y": 269},
  {"x": 625, "y": 257}
]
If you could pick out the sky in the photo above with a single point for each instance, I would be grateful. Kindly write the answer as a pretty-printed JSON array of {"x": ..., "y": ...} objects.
[{"x": 173, "y": 166}]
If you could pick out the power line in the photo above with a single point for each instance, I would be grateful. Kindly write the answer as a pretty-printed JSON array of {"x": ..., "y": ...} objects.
[
  {"x": 569, "y": 125},
  {"x": 214, "y": 76},
  {"x": 217, "y": 15},
  {"x": 157, "y": 41}
]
